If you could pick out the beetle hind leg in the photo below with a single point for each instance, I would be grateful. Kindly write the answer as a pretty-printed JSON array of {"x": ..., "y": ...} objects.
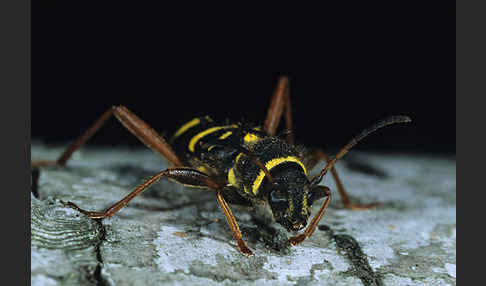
[{"x": 139, "y": 128}]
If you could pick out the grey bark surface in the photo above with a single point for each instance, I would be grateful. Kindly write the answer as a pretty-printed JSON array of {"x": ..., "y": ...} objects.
[{"x": 174, "y": 235}]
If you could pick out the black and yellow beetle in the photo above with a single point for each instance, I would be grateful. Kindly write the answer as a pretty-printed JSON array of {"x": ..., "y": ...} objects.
[{"x": 243, "y": 164}]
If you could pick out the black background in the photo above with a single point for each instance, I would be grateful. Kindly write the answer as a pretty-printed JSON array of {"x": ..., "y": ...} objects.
[{"x": 349, "y": 64}]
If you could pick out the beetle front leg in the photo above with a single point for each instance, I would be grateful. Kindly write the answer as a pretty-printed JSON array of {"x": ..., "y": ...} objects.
[{"x": 235, "y": 229}]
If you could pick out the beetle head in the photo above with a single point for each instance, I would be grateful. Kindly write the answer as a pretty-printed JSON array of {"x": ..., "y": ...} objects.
[{"x": 289, "y": 199}]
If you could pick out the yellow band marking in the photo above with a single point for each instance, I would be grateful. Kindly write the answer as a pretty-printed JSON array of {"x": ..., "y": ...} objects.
[
  {"x": 186, "y": 126},
  {"x": 251, "y": 138},
  {"x": 200, "y": 135},
  {"x": 271, "y": 164},
  {"x": 304, "y": 206},
  {"x": 291, "y": 206},
  {"x": 225, "y": 135},
  {"x": 232, "y": 178},
  {"x": 231, "y": 175},
  {"x": 238, "y": 157}
]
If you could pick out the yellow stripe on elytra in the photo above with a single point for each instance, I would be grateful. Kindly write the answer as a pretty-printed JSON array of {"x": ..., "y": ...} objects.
[
  {"x": 271, "y": 164},
  {"x": 186, "y": 126},
  {"x": 197, "y": 137},
  {"x": 251, "y": 138},
  {"x": 225, "y": 135}
]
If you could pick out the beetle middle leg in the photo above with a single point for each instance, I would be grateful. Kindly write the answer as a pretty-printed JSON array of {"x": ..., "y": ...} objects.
[
  {"x": 316, "y": 156},
  {"x": 184, "y": 176}
]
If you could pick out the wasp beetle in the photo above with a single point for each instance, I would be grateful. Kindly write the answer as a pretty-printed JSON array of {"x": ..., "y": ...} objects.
[{"x": 244, "y": 164}]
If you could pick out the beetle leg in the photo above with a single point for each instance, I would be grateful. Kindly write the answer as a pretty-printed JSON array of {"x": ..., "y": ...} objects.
[
  {"x": 331, "y": 162},
  {"x": 184, "y": 176},
  {"x": 235, "y": 229},
  {"x": 318, "y": 155},
  {"x": 280, "y": 100},
  {"x": 131, "y": 122}
]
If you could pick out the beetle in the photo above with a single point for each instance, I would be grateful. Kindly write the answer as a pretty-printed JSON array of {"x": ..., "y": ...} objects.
[{"x": 244, "y": 164}]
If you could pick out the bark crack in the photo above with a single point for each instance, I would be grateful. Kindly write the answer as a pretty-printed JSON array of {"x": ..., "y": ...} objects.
[
  {"x": 34, "y": 182},
  {"x": 358, "y": 259},
  {"x": 100, "y": 280}
]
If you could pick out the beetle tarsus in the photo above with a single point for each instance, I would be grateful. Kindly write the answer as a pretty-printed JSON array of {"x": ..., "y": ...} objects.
[{"x": 243, "y": 248}]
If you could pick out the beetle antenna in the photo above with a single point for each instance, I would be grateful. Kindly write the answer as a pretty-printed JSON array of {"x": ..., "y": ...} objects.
[{"x": 382, "y": 123}]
